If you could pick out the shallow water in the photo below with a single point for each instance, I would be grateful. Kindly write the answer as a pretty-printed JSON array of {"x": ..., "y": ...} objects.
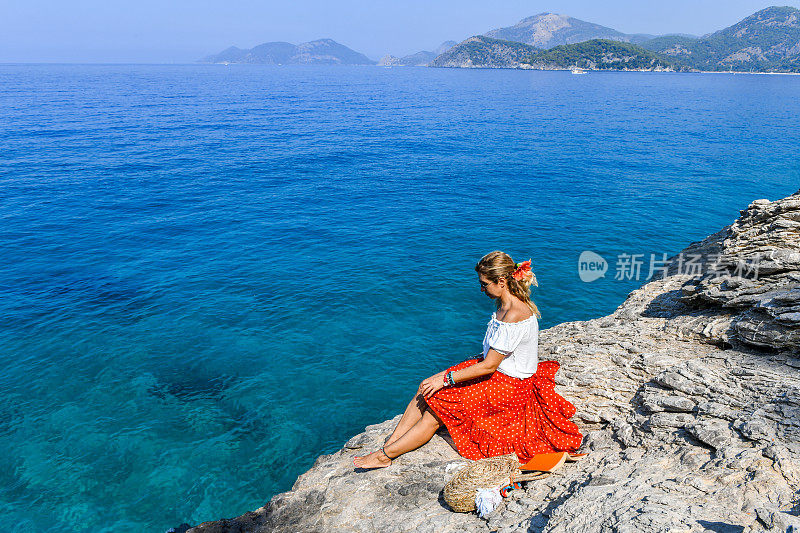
[{"x": 210, "y": 275}]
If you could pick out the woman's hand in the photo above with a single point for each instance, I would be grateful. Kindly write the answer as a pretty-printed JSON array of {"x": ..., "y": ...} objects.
[{"x": 430, "y": 386}]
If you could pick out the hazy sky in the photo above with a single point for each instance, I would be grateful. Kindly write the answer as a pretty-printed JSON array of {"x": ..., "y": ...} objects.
[{"x": 178, "y": 31}]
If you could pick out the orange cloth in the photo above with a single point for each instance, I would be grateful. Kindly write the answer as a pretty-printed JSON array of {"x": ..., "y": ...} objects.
[{"x": 497, "y": 414}]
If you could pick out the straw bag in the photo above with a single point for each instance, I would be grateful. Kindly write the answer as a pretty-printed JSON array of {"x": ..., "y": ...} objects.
[{"x": 492, "y": 472}]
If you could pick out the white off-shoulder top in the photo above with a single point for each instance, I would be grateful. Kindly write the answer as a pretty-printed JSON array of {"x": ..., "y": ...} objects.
[{"x": 518, "y": 341}]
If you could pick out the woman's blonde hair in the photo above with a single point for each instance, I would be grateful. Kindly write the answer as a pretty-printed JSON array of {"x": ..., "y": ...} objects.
[{"x": 499, "y": 265}]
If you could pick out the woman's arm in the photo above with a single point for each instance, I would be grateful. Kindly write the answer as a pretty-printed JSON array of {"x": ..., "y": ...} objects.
[
  {"x": 430, "y": 386},
  {"x": 476, "y": 356},
  {"x": 482, "y": 368}
]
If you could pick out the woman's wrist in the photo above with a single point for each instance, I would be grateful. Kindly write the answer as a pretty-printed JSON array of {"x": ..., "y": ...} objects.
[{"x": 448, "y": 378}]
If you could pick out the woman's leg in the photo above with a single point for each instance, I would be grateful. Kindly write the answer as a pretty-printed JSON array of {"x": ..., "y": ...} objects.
[
  {"x": 416, "y": 436},
  {"x": 412, "y": 415}
]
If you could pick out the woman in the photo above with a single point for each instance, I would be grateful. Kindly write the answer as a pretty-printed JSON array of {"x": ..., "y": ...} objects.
[{"x": 502, "y": 402}]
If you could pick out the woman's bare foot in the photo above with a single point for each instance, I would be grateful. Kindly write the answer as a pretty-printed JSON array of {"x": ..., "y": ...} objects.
[{"x": 377, "y": 459}]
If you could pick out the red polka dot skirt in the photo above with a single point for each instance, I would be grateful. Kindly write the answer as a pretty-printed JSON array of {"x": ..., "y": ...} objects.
[{"x": 497, "y": 415}]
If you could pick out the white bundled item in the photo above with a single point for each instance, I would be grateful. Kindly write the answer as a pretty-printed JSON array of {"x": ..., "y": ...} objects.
[{"x": 487, "y": 500}]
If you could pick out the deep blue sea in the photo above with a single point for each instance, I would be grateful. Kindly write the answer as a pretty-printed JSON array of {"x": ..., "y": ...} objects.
[{"x": 210, "y": 275}]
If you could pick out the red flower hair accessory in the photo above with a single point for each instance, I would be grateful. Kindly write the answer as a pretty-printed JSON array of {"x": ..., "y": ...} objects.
[{"x": 523, "y": 271}]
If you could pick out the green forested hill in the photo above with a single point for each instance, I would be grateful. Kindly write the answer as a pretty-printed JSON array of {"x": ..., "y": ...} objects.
[
  {"x": 600, "y": 54},
  {"x": 604, "y": 54}
]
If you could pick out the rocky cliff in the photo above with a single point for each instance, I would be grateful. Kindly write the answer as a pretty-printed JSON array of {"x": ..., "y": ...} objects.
[{"x": 688, "y": 396}]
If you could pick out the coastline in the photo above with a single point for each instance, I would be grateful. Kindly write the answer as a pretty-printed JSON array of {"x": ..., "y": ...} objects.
[
  {"x": 767, "y": 73},
  {"x": 559, "y": 69},
  {"x": 688, "y": 396},
  {"x": 668, "y": 71}
]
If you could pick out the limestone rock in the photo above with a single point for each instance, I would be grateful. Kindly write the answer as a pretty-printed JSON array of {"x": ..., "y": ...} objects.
[{"x": 688, "y": 396}]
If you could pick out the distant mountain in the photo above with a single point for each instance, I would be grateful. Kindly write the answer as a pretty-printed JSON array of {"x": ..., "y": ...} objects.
[
  {"x": 444, "y": 47},
  {"x": 320, "y": 52},
  {"x": 485, "y": 52},
  {"x": 420, "y": 59},
  {"x": 547, "y": 30},
  {"x": 768, "y": 40}
]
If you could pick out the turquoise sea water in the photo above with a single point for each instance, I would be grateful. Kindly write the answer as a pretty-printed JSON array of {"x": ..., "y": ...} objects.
[{"x": 210, "y": 275}]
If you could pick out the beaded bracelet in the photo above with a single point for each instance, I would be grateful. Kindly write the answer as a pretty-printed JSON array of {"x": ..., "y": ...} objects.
[{"x": 450, "y": 379}]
